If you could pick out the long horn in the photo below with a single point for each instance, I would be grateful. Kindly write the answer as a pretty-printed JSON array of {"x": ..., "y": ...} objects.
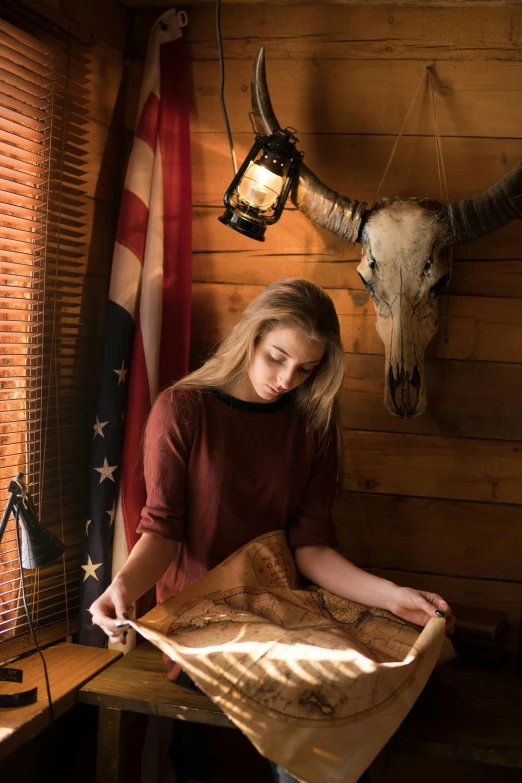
[
  {"x": 322, "y": 205},
  {"x": 475, "y": 217}
]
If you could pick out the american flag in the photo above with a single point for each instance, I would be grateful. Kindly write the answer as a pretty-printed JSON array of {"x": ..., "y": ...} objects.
[{"x": 148, "y": 314}]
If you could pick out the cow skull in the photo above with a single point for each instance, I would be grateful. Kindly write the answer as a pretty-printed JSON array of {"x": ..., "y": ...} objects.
[
  {"x": 406, "y": 254},
  {"x": 405, "y": 265}
]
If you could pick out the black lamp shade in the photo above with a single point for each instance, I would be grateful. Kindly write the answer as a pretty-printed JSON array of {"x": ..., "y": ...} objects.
[{"x": 39, "y": 547}]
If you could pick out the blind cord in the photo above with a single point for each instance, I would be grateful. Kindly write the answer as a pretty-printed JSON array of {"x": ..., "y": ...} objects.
[{"x": 53, "y": 356}]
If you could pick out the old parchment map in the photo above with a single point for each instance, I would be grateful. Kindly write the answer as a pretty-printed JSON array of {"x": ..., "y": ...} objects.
[{"x": 317, "y": 683}]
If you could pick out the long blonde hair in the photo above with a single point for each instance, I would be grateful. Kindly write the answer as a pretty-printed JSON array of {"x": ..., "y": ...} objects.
[{"x": 297, "y": 303}]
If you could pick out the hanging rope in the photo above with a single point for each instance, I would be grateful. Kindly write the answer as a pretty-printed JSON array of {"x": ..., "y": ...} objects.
[
  {"x": 438, "y": 146},
  {"x": 444, "y": 198},
  {"x": 397, "y": 140},
  {"x": 443, "y": 184}
]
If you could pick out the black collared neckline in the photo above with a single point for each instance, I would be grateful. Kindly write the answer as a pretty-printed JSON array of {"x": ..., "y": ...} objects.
[{"x": 252, "y": 407}]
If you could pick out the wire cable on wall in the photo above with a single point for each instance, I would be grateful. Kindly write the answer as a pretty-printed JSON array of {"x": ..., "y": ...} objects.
[{"x": 222, "y": 86}]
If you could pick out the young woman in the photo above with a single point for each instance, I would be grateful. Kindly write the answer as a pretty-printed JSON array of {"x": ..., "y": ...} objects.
[{"x": 248, "y": 444}]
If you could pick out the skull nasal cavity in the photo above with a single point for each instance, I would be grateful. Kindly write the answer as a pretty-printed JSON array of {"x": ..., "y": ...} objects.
[
  {"x": 404, "y": 391},
  {"x": 413, "y": 393}
]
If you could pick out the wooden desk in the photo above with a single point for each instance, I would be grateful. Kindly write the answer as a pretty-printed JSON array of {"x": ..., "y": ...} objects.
[
  {"x": 69, "y": 667},
  {"x": 464, "y": 713}
]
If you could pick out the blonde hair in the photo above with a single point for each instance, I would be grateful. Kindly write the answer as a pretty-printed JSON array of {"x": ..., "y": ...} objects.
[{"x": 297, "y": 303}]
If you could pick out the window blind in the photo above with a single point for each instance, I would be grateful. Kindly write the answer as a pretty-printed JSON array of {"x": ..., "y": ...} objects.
[{"x": 44, "y": 230}]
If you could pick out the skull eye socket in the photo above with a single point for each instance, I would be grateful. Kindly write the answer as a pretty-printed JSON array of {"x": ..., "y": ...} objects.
[
  {"x": 427, "y": 267},
  {"x": 440, "y": 286},
  {"x": 373, "y": 263},
  {"x": 367, "y": 284}
]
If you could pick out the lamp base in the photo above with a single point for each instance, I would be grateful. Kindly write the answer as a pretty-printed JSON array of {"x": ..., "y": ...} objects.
[{"x": 249, "y": 228}]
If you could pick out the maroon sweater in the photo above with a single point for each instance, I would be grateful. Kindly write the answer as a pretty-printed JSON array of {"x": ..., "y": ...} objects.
[{"x": 220, "y": 472}]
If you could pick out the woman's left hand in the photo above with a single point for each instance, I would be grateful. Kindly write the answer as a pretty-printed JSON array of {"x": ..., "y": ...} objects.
[{"x": 419, "y": 606}]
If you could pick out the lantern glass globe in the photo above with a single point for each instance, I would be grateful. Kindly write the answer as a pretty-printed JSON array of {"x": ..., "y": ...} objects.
[{"x": 259, "y": 187}]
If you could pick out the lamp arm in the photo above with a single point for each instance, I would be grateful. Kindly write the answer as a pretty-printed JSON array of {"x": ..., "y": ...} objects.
[{"x": 13, "y": 499}]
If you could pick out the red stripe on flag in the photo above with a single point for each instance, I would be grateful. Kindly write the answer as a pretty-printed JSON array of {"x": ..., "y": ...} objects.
[
  {"x": 132, "y": 224},
  {"x": 147, "y": 129},
  {"x": 172, "y": 124},
  {"x": 174, "y": 142}
]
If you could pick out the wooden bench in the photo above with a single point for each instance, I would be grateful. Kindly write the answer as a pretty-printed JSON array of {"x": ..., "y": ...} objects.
[
  {"x": 69, "y": 666},
  {"x": 138, "y": 683},
  {"x": 464, "y": 713}
]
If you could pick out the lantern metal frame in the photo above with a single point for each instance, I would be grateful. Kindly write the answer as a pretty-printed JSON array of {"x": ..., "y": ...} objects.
[{"x": 252, "y": 221}]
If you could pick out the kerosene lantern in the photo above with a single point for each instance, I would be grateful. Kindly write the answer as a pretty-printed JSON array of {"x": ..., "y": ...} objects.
[{"x": 258, "y": 192}]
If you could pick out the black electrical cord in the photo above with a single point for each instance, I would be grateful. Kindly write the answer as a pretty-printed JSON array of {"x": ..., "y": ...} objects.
[
  {"x": 222, "y": 85},
  {"x": 28, "y": 613}
]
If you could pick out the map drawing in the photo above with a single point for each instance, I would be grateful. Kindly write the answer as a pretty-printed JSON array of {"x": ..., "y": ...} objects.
[{"x": 318, "y": 683}]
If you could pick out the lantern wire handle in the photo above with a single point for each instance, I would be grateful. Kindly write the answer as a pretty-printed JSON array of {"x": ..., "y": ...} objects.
[
  {"x": 251, "y": 118},
  {"x": 222, "y": 86}
]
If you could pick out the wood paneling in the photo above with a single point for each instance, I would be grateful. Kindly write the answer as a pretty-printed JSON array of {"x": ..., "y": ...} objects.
[
  {"x": 465, "y": 399},
  {"x": 490, "y": 594},
  {"x": 354, "y": 165},
  {"x": 106, "y": 69},
  {"x": 433, "y": 466},
  {"x": 483, "y": 329},
  {"x": 367, "y": 96},
  {"x": 474, "y": 278},
  {"x": 105, "y": 19},
  {"x": 446, "y": 537},
  {"x": 347, "y": 32},
  {"x": 294, "y": 235}
]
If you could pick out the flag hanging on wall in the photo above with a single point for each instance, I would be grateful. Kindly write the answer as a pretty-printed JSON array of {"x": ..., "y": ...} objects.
[{"x": 147, "y": 327}]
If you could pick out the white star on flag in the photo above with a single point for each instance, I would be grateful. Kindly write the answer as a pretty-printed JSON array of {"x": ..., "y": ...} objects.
[
  {"x": 98, "y": 427},
  {"x": 112, "y": 512},
  {"x": 90, "y": 569},
  {"x": 106, "y": 471},
  {"x": 87, "y": 526},
  {"x": 121, "y": 373}
]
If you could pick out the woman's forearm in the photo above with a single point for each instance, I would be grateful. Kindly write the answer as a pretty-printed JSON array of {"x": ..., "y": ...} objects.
[
  {"x": 327, "y": 568},
  {"x": 146, "y": 564}
]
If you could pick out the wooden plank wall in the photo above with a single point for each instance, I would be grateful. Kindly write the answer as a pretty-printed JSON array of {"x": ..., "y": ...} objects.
[{"x": 433, "y": 502}]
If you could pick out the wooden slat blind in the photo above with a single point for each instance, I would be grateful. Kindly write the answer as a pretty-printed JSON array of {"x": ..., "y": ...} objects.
[{"x": 44, "y": 92}]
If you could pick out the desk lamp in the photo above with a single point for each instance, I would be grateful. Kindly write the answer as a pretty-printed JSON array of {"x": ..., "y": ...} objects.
[{"x": 38, "y": 548}]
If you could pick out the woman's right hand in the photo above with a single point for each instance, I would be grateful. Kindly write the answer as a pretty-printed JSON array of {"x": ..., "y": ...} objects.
[
  {"x": 146, "y": 564},
  {"x": 110, "y": 611}
]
